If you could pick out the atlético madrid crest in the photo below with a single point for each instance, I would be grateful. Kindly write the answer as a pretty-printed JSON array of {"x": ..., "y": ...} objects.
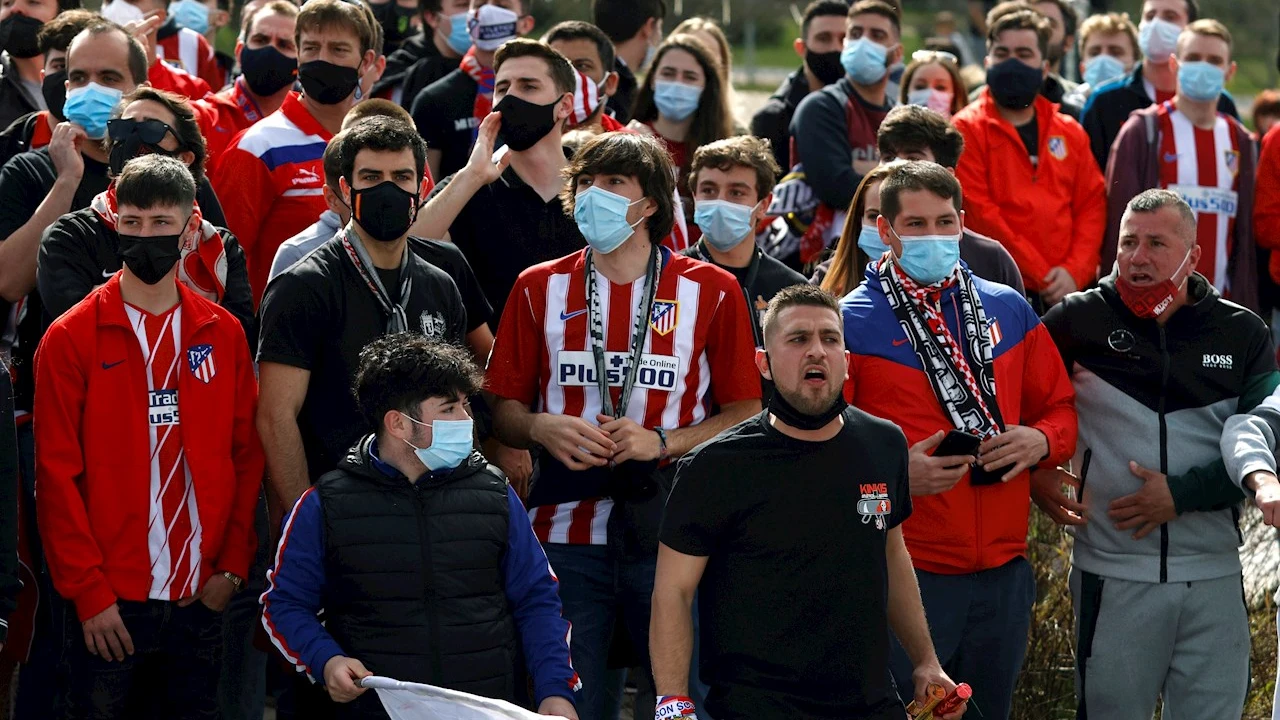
[
  {"x": 664, "y": 315},
  {"x": 1058, "y": 147},
  {"x": 200, "y": 360}
]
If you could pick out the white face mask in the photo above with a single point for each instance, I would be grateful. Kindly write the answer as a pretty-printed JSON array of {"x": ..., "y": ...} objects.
[
  {"x": 122, "y": 13},
  {"x": 491, "y": 26}
]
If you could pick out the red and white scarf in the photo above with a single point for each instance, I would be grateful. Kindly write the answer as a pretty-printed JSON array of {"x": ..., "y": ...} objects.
[
  {"x": 202, "y": 265},
  {"x": 968, "y": 398},
  {"x": 484, "y": 85},
  {"x": 586, "y": 100}
]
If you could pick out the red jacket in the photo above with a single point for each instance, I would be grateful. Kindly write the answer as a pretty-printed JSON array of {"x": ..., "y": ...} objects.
[
  {"x": 1266, "y": 201},
  {"x": 1046, "y": 216},
  {"x": 221, "y": 117},
  {"x": 176, "y": 80},
  {"x": 92, "y": 471}
]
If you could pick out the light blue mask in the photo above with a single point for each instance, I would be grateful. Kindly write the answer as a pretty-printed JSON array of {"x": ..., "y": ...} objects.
[
  {"x": 1201, "y": 81},
  {"x": 459, "y": 39},
  {"x": 724, "y": 224},
  {"x": 929, "y": 258},
  {"x": 602, "y": 218},
  {"x": 191, "y": 15},
  {"x": 870, "y": 243},
  {"x": 90, "y": 107},
  {"x": 1101, "y": 69},
  {"x": 865, "y": 61},
  {"x": 451, "y": 443},
  {"x": 676, "y": 101}
]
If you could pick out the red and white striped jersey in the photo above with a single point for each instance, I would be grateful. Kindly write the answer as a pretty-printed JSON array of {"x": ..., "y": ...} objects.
[
  {"x": 173, "y": 522},
  {"x": 188, "y": 50},
  {"x": 1202, "y": 166},
  {"x": 698, "y": 353}
]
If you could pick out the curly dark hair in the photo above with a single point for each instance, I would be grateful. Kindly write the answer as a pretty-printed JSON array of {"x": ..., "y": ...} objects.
[{"x": 398, "y": 372}]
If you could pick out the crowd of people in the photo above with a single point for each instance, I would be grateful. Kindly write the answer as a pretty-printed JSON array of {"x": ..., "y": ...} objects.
[{"x": 401, "y": 343}]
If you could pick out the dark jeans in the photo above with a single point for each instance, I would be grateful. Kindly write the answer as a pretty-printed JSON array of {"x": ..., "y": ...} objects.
[
  {"x": 173, "y": 672},
  {"x": 242, "y": 688},
  {"x": 979, "y": 623},
  {"x": 595, "y": 586}
]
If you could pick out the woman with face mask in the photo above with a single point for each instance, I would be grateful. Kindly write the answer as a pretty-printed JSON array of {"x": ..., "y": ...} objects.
[
  {"x": 683, "y": 104},
  {"x": 933, "y": 80},
  {"x": 860, "y": 241}
]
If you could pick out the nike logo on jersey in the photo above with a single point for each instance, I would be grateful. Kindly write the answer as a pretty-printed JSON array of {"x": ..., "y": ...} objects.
[
  {"x": 903, "y": 341},
  {"x": 108, "y": 366},
  {"x": 107, "y": 274},
  {"x": 567, "y": 316}
]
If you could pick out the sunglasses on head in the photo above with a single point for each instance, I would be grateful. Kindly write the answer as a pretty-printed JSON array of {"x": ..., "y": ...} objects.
[
  {"x": 149, "y": 132},
  {"x": 933, "y": 56}
]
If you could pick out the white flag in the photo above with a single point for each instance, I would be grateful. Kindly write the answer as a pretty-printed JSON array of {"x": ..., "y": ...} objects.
[{"x": 415, "y": 701}]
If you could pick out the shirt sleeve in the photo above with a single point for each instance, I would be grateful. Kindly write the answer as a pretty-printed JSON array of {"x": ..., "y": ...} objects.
[
  {"x": 244, "y": 187},
  {"x": 731, "y": 349},
  {"x": 294, "y": 322},
  {"x": 295, "y": 588},
  {"x": 21, "y": 192},
  {"x": 533, "y": 591},
  {"x": 1249, "y": 440},
  {"x": 66, "y": 270},
  {"x": 479, "y": 311},
  {"x": 697, "y": 512},
  {"x": 822, "y": 145},
  {"x": 513, "y": 369},
  {"x": 1048, "y": 400},
  {"x": 902, "y": 507}
]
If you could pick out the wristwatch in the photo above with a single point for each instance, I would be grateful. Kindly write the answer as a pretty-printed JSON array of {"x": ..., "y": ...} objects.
[{"x": 237, "y": 582}]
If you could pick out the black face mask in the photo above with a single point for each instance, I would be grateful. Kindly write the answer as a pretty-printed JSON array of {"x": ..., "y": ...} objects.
[
  {"x": 787, "y": 413},
  {"x": 54, "y": 90},
  {"x": 1014, "y": 84},
  {"x": 18, "y": 33},
  {"x": 266, "y": 70},
  {"x": 384, "y": 211},
  {"x": 131, "y": 138},
  {"x": 395, "y": 21},
  {"x": 149, "y": 258},
  {"x": 328, "y": 84},
  {"x": 824, "y": 66},
  {"x": 524, "y": 123}
]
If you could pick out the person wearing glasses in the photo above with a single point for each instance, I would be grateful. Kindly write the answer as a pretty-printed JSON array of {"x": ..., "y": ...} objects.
[
  {"x": 933, "y": 80},
  {"x": 81, "y": 250}
]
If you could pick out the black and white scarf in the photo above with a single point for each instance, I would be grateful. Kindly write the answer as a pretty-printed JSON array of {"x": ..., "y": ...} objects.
[{"x": 397, "y": 319}]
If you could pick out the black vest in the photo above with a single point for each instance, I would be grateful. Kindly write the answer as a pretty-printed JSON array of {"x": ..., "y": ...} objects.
[{"x": 414, "y": 585}]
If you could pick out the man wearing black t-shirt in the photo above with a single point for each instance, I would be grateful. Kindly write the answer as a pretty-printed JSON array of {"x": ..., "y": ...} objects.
[
  {"x": 801, "y": 569},
  {"x": 449, "y": 111},
  {"x": 506, "y": 215},
  {"x": 319, "y": 314}
]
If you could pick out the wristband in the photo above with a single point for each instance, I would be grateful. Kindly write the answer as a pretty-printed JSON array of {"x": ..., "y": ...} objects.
[
  {"x": 662, "y": 445},
  {"x": 671, "y": 707}
]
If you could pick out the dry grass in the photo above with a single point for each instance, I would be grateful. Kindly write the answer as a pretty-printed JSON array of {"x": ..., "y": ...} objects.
[{"x": 1046, "y": 690}]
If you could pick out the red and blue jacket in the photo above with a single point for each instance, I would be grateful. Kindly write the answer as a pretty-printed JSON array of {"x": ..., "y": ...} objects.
[{"x": 967, "y": 528}]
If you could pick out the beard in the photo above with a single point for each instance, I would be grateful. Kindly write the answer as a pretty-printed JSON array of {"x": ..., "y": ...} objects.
[{"x": 810, "y": 400}]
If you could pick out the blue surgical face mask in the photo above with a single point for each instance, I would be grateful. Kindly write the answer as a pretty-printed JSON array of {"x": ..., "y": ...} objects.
[
  {"x": 90, "y": 107},
  {"x": 451, "y": 443},
  {"x": 1158, "y": 39},
  {"x": 870, "y": 243},
  {"x": 1102, "y": 68},
  {"x": 1201, "y": 81},
  {"x": 459, "y": 39},
  {"x": 724, "y": 224},
  {"x": 191, "y": 15},
  {"x": 676, "y": 101},
  {"x": 602, "y": 218},
  {"x": 864, "y": 60},
  {"x": 928, "y": 259}
]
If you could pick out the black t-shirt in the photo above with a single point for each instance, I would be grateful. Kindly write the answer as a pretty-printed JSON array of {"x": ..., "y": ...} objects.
[
  {"x": 450, "y": 259},
  {"x": 793, "y": 602},
  {"x": 1030, "y": 134},
  {"x": 25, "y": 181},
  {"x": 319, "y": 314},
  {"x": 445, "y": 115},
  {"x": 507, "y": 227},
  {"x": 760, "y": 280}
]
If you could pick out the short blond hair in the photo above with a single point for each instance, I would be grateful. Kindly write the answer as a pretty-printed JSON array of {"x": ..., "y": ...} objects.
[
  {"x": 1207, "y": 27},
  {"x": 1110, "y": 24}
]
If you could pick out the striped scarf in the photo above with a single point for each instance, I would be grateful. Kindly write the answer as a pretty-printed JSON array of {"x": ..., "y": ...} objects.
[{"x": 484, "y": 86}]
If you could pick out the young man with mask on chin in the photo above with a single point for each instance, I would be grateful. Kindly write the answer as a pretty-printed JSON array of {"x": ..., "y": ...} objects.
[
  {"x": 146, "y": 402},
  {"x": 270, "y": 177},
  {"x": 768, "y": 555},
  {"x": 936, "y": 350},
  {"x": 591, "y": 53},
  {"x": 449, "y": 111},
  {"x": 1208, "y": 157},
  {"x": 834, "y": 129},
  {"x": 362, "y": 284},
  {"x": 821, "y": 39},
  {"x": 645, "y": 354},
  {"x": 1025, "y": 169},
  {"x": 415, "y": 487},
  {"x": 507, "y": 214},
  {"x": 429, "y": 55},
  {"x": 267, "y": 55}
]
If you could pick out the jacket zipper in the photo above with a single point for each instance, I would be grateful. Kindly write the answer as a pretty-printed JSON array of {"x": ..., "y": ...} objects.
[
  {"x": 428, "y": 591},
  {"x": 1164, "y": 450}
]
